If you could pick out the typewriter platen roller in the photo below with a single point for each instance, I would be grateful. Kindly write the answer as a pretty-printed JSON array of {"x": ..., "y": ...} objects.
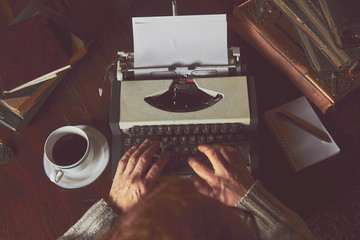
[{"x": 126, "y": 71}]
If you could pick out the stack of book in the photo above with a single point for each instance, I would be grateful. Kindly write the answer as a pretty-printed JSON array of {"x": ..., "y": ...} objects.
[
  {"x": 37, "y": 49},
  {"x": 315, "y": 42}
]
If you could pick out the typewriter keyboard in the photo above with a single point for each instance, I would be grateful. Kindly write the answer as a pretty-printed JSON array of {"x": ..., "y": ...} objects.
[{"x": 182, "y": 141}]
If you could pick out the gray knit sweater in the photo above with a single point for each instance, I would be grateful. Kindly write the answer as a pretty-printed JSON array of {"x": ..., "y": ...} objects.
[{"x": 272, "y": 219}]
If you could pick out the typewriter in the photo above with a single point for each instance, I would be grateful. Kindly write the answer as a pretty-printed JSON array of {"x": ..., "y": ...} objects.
[{"x": 183, "y": 107}]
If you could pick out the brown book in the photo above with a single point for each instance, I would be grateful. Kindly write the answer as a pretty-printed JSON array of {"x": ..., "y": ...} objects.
[
  {"x": 21, "y": 105},
  {"x": 30, "y": 54},
  {"x": 343, "y": 20},
  {"x": 268, "y": 30},
  {"x": 18, "y": 108}
]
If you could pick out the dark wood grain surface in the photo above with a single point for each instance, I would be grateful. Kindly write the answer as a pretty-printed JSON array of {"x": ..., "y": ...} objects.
[{"x": 32, "y": 207}]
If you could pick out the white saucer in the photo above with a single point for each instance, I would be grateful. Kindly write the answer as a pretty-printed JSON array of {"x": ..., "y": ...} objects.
[{"x": 95, "y": 167}]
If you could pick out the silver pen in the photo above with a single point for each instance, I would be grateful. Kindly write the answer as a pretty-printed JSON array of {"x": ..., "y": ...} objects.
[{"x": 307, "y": 127}]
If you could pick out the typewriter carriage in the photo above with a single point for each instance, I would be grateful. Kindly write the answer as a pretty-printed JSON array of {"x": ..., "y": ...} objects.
[{"x": 183, "y": 95}]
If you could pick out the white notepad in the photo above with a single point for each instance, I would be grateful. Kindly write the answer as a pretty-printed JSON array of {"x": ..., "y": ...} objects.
[{"x": 301, "y": 148}]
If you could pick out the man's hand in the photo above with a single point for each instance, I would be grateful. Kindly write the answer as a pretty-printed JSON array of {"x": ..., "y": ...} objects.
[
  {"x": 229, "y": 181},
  {"x": 131, "y": 180}
]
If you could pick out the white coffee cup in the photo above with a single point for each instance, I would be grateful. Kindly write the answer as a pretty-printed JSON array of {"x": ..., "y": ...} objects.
[{"x": 63, "y": 138}]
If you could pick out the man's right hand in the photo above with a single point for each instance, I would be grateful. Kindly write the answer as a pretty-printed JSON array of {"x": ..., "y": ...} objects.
[{"x": 229, "y": 181}]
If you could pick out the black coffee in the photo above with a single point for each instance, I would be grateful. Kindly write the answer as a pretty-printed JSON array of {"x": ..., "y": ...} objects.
[{"x": 69, "y": 149}]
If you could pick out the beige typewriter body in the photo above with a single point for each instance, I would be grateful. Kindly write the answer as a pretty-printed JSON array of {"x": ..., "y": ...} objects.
[
  {"x": 232, "y": 108},
  {"x": 159, "y": 89}
]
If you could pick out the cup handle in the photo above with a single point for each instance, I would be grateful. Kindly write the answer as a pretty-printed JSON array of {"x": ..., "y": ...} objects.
[{"x": 56, "y": 175}]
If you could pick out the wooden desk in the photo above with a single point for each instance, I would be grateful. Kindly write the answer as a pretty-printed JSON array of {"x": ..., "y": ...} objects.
[{"x": 32, "y": 207}]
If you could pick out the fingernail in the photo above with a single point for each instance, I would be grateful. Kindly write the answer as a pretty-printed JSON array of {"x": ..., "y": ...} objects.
[{"x": 203, "y": 146}]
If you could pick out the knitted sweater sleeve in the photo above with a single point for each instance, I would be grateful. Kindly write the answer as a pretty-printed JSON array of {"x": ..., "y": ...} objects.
[
  {"x": 93, "y": 223},
  {"x": 272, "y": 218}
]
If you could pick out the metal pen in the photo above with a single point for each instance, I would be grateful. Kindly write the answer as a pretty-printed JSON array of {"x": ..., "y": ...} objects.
[{"x": 307, "y": 127}]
